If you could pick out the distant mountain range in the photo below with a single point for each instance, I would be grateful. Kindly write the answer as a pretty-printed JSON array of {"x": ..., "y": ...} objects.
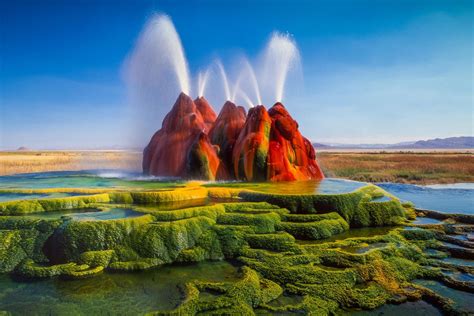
[{"x": 462, "y": 142}]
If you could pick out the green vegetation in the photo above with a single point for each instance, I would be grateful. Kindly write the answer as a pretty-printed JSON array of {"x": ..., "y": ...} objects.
[{"x": 278, "y": 238}]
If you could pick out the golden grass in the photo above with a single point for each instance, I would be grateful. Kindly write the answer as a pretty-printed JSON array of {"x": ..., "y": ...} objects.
[
  {"x": 403, "y": 167},
  {"x": 42, "y": 161}
]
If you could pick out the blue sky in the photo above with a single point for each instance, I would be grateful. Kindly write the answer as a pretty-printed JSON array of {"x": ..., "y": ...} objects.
[{"x": 373, "y": 71}]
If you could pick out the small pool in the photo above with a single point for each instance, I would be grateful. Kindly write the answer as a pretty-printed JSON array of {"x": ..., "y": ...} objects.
[
  {"x": 25, "y": 196},
  {"x": 86, "y": 179},
  {"x": 381, "y": 199},
  {"x": 461, "y": 299},
  {"x": 109, "y": 293},
  {"x": 421, "y": 220},
  {"x": 89, "y": 214},
  {"x": 325, "y": 186},
  {"x": 418, "y": 308},
  {"x": 443, "y": 198}
]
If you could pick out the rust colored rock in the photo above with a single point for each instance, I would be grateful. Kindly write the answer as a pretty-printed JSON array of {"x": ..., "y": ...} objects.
[
  {"x": 202, "y": 161},
  {"x": 290, "y": 155},
  {"x": 168, "y": 150},
  {"x": 207, "y": 112},
  {"x": 251, "y": 148},
  {"x": 224, "y": 134},
  {"x": 193, "y": 143}
]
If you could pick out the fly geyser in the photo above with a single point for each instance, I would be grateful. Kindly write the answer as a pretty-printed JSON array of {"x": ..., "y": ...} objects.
[
  {"x": 194, "y": 142},
  {"x": 258, "y": 146}
]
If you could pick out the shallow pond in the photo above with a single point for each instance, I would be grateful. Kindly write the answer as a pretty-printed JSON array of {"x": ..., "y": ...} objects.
[
  {"x": 89, "y": 214},
  {"x": 426, "y": 221},
  {"x": 418, "y": 308},
  {"x": 24, "y": 196},
  {"x": 109, "y": 293},
  {"x": 325, "y": 186},
  {"x": 445, "y": 199},
  {"x": 461, "y": 299},
  {"x": 86, "y": 179}
]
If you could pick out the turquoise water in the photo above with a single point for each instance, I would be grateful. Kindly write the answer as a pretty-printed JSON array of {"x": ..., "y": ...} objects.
[
  {"x": 89, "y": 214},
  {"x": 109, "y": 293},
  {"x": 461, "y": 299},
  {"x": 23, "y": 196},
  {"x": 426, "y": 221},
  {"x": 446, "y": 199},
  {"x": 85, "y": 179},
  {"x": 418, "y": 308},
  {"x": 325, "y": 186}
]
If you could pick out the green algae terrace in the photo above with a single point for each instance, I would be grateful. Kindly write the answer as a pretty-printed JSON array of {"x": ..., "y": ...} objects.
[{"x": 225, "y": 248}]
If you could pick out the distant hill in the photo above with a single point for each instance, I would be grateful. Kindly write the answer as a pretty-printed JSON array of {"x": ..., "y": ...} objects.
[
  {"x": 450, "y": 142},
  {"x": 462, "y": 142}
]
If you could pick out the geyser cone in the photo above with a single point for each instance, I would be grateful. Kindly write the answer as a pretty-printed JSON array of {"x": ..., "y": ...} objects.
[
  {"x": 291, "y": 156},
  {"x": 225, "y": 131},
  {"x": 251, "y": 148},
  {"x": 261, "y": 146},
  {"x": 207, "y": 112},
  {"x": 168, "y": 152}
]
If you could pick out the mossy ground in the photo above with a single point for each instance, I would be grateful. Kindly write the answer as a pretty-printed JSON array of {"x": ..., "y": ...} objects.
[{"x": 278, "y": 238}]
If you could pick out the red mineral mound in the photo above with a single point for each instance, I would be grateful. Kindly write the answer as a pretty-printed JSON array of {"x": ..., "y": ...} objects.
[
  {"x": 207, "y": 112},
  {"x": 290, "y": 156},
  {"x": 225, "y": 131},
  {"x": 168, "y": 150},
  {"x": 251, "y": 148},
  {"x": 193, "y": 143}
]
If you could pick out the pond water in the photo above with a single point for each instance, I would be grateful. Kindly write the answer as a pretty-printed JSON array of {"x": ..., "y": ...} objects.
[
  {"x": 86, "y": 179},
  {"x": 461, "y": 299},
  {"x": 89, "y": 214},
  {"x": 25, "y": 196},
  {"x": 325, "y": 186},
  {"x": 109, "y": 293},
  {"x": 418, "y": 308},
  {"x": 420, "y": 220},
  {"x": 443, "y": 198}
]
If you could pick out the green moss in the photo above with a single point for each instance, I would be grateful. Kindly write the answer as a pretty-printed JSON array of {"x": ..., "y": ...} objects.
[
  {"x": 136, "y": 265},
  {"x": 261, "y": 223},
  {"x": 44, "y": 205},
  {"x": 11, "y": 251},
  {"x": 315, "y": 230},
  {"x": 97, "y": 258},
  {"x": 211, "y": 212},
  {"x": 76, "y": 237},
  {"x": 30, "y": 269},
  {"x": 276, "y": 242}
]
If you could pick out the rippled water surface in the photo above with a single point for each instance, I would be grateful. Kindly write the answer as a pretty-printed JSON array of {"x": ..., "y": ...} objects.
[{"x": 443, "y": 198}]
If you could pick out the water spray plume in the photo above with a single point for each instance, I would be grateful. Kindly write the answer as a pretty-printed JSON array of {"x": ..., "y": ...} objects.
[
  {"x": 158, "y": 52},
  {"x": 236, "y": 87},
  {"x": 224, "y": 79},
  {"x": 202, "y": 81},
  {"x": 245, "y": 97},
  {"x": 254, "y": 80},
  {"x": 280, "y": 55}
]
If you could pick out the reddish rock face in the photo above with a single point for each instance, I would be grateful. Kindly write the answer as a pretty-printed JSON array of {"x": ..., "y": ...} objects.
[
  {"x": 193, "y": 143},
  {"x": 290, "y": 155},
  {"x": 225, "y": 131},
  {"x": 207, "y": 112},
  {"x": 168, "y": 150},
  {"x": 251, "y": 148}
]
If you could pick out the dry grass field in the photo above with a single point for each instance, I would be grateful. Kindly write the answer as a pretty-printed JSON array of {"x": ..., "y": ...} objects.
[
  {"x": 405, "y": 167},
  {"x": 41, "y": 161},
  {"x": 402, "y": 167}
]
